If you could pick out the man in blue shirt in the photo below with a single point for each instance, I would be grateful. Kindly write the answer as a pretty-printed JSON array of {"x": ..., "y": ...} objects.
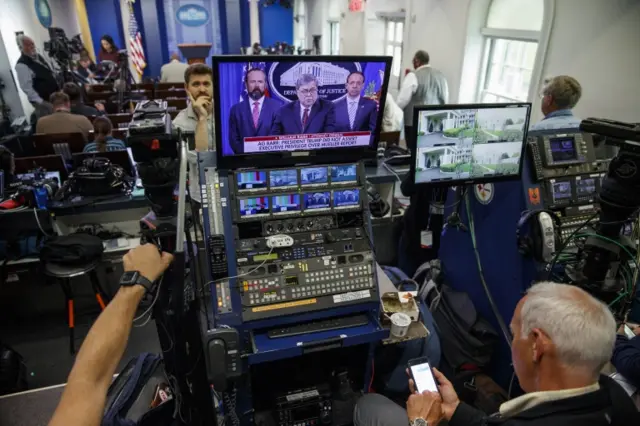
[{"x": 559, "y": 96}]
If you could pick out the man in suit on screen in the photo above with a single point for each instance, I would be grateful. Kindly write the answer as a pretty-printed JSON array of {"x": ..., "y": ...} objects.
[
  {"x": 308, "y": 114},
  {"x": 255, "y": 115},
  {"x": 354, "y": 112}
]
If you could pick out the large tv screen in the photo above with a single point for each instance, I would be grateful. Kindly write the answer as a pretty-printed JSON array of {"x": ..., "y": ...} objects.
[
  {"x": 301, "y": 103},
  {"x": 461, "y": 143}
]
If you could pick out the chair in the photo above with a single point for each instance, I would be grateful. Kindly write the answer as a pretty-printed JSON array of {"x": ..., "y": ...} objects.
[
  {"x": 120, "y": 121},
  {"x": 63, "y": 275},
  {"x": 148, "y": 87},
  {"x": 169, "y": 86},
  {"x": 116, "y": 133},
  {"x": 97, "y": 88},
  {"x": 176, "y": 104},
  {"x": 58, "y": 143},
  {"x": 171, "y": 94}
]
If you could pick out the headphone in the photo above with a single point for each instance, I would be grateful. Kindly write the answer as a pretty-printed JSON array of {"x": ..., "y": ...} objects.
[
  {"x": 532, "y": 244},
  {"x": 377, "y": 206}
]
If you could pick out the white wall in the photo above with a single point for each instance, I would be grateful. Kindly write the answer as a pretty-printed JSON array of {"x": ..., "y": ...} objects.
[
  {"x": 598, "y": 43},
  {"x": 19, "y": 15}
]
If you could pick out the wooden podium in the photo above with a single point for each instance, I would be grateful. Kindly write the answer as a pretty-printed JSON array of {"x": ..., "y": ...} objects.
[{"x": 195, "y": 53}]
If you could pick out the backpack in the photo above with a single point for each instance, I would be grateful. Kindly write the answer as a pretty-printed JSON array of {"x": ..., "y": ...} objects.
[
  {"x": 132, "y": 392},
  {"x": 74, "y": 249}
]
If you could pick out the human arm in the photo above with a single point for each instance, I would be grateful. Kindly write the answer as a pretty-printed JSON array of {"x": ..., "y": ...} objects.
[
  {"x": 626, "y": 357},
  {"x": 235, "y": 134},
  {"x": 330, "y": 119},
  {"x": 409, "y": 87},
  {"x": 85, "y": 394},
  {"x": 373, "y": 118},
  {"x": 203, "y": 109},
  {"x": 444, "y": 90},
  {"x": 25, "y": 80},
  {"x": 163, "y": 74}
]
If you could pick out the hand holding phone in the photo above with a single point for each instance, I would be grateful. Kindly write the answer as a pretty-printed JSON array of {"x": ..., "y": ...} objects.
[
  {"x": 444, "y": 387},
  {"x": 422, "y": 376},
  {"x": 630, "y": 330}
]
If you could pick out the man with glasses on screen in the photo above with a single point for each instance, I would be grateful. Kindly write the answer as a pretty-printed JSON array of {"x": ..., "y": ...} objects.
[
  {"x": 255, "y": 114},
  {"x": 559, "y": 96},
  {"x": 308, "y": 114}
]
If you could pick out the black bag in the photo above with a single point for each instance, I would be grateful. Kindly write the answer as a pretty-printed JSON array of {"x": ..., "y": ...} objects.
[
  {"x": 467, "y": 339},
  {"x": 74, "y": 249},
  {"x": 132, "y": 392},
  {"x": 96, "y": 176},
  {"x": 13, "y": 372}
]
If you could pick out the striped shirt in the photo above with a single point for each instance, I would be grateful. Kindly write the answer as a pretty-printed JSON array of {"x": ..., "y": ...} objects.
[{"x": 113, "y": 144}]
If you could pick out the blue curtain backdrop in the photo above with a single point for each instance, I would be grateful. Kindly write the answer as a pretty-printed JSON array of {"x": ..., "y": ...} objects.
[
  {"x": 104, "y": 18},
  {"x": 231, "y": 78},
  {"x": 276, "y": 24},
  {"x": 178, "y": 33}
]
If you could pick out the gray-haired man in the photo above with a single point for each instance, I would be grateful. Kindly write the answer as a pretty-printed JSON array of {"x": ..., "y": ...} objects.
[
  {"x": 308, "y": 114},
  {"x": 35, "y": 77}
]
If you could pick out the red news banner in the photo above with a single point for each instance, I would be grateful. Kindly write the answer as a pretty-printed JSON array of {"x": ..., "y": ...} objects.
[{"x": 306, "y": 142}]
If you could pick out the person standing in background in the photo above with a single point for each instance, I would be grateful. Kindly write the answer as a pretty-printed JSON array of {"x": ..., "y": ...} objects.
[
  {"x": 35, "y": 77},
  {"x": 108, "y": 49},
  {"x": 173, "y": 72},
  {"x": 424, "y": 86}
]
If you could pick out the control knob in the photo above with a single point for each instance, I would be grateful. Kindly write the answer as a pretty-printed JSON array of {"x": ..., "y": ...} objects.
[
  {"x": 269, "y": 229},
  {"x": 310, "y": 224},
  {"x": 330, "y": 238},
  {"x": 290, "y": 226},
  {"x": 300, "y": 225},
  {"x": 280, "y": 227}
]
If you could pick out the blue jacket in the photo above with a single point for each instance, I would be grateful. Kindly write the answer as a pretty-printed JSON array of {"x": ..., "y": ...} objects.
[
  {"x": 560, "y": 119},
  {"x": 241, "y": 122},
  {"x": 366, "y": 116},
  {"x": 626, "y": 358},
  {"x": 288, "y": 120}
]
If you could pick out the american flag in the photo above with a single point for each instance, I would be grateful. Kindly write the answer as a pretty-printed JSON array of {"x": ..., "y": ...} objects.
[{"x": 135, "y": 43}]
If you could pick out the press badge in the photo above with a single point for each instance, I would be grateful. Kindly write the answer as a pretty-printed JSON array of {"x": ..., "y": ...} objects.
[{"x": 426, "y": 239}]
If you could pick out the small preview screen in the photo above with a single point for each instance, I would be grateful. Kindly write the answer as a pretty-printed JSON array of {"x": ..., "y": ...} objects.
[{"x": 254, "y": 206}]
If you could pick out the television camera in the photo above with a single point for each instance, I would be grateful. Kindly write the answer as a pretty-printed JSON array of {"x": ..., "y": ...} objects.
[
  {"x": 604, "y": 259},
  {"x": 61, "y": 50}
]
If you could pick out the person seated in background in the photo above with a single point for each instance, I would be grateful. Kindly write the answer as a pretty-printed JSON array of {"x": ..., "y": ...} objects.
[
  {"x": 86, "y": 69},
  {"x": 626, "y": 355},
  {"x": 62, "y": 120},
  {"x": 562, "y": 337},
  {"x": 77, "y": 106},
  {"x": 559, "y": 96},
  {"x": 103, "y": 140},
  {"x": 108, "y": 49},
  {"x": 173, "y": 72},
  {"x": 40, "y": 110}
]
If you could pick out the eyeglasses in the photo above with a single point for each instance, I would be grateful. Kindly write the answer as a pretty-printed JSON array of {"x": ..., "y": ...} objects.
[{"x": 308, "y": 92}]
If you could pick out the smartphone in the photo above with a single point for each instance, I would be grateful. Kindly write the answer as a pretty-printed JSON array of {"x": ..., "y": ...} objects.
[
  {"x": 422, "y": 375},
  {"x": 629, "y": 332}
]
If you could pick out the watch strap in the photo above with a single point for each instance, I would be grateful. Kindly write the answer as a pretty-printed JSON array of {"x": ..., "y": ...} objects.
[{"x": 147, "y": 284}]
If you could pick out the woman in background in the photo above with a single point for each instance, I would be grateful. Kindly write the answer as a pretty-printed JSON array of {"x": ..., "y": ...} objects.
[
  {"x": 108, "y": 49},
  {"x": 103, "y": 141}
]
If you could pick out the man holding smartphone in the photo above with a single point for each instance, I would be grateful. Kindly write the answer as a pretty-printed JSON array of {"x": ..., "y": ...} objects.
[{"x": 562, "y": 338}]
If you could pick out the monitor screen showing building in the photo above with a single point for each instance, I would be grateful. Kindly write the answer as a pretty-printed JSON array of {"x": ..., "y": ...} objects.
[
  {"x": 277, "y": 106},
  {"x": 462, "y": 144}
]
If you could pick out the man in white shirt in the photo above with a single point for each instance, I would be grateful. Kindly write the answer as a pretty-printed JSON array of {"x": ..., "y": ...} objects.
[
  {"x": 173, "y": 72},
  {"x": 424, "y": 86}
]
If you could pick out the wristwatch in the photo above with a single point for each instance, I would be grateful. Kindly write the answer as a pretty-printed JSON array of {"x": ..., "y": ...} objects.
[
  {"x": 131, "y": 278},
  {"x": 418, "y": 421}
]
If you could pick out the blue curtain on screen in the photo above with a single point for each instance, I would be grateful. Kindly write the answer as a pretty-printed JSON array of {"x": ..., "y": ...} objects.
[
  {"x": 230, "y": 89},
  {"x": 178, "y": 33}
]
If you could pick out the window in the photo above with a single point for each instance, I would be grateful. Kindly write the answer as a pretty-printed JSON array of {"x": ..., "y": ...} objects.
[
  {"x": 334, "y": 37},
  {"x": 512, "y": 33},
  {"x": 393, "y": 43}
]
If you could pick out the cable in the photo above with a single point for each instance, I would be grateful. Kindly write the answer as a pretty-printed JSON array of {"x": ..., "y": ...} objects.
[
  {"x": 386, "y": 166},
  {"x": 35, "y": 213},
  {"x": 155, "y": 299},
  {"x": 246, "y": 273},
  {"x": 494, "y": 308},
  {"x": 550, "y": 265},
  {"x": 373, "y": 373}
]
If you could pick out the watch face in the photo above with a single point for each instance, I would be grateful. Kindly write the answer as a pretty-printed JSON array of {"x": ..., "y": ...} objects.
[
  {"x": 419, "y": 422},
  {"x": 129, "y": 278}
]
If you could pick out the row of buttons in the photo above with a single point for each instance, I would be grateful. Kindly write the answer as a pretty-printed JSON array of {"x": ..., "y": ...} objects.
[
  {"x": 270, "y": 295},
  {"x": 332, "y": 289}
]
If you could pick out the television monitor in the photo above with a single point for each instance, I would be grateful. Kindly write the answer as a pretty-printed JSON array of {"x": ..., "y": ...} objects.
[
  {"x": 274, "y": 111},
  {"x": 282, "y": 204},
  {"x": 461, "y": 144},
  {"x": 310, "y": 176},
  {"x": 586, "y": 186},
  {"x": 345, "y": 198},
  {"x": 283, "y": 178},
  {"x": 346, "y": 173},
  {"x": 254, "y": 207},
  {"x": 317, "y": 200},
  {"x": 561, "y": 191},
  {"x": 253, "y": 180}
]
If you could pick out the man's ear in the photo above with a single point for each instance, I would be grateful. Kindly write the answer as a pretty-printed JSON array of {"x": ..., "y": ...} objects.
[{"x": 540, "y": 344}]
